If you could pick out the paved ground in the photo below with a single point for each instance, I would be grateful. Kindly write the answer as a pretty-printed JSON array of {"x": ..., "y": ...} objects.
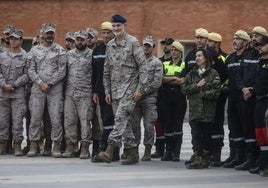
[{"x": 17, "y": 172}]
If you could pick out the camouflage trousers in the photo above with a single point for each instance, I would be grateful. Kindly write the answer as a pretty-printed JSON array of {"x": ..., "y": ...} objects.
[
  {"x": 122, "y": 109},
  {"x": 54, "y": 103},
  {"x": 77, "y": 110},
  {"x": 13, "y": 109},
  {"x": 146, "y": 109}
]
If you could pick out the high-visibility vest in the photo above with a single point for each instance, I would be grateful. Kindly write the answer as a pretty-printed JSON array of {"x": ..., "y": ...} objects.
[{"x": 171, "y": 69}]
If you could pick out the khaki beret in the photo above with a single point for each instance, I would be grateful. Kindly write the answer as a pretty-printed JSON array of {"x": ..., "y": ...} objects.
[
  {"x": 260, "y": 30},
  {"x": 107, "y": 26},
  {"x": 214, "y": 37},
  {"x": 242, "y": 34},
  {"x": 178, "y": 46},
  {"x": 201, "y": 33}
]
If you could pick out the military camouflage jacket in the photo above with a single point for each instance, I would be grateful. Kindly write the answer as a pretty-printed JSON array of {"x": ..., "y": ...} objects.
[
  {"x": 155, "y": 75},
  {"x": 125, "y": 68},
  {"x": 79, "y": 73},
  {"x": 47, "y": 65},
  {"x": 202, "y": 100},
  {"x": 13, "y": 71}
]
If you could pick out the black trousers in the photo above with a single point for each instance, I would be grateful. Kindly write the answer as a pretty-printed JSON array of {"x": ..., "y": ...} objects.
[{"x": 201, "y": 136}]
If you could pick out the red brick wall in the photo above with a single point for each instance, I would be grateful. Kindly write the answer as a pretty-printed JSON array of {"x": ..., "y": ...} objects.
[{"x": 175, "y": 18}]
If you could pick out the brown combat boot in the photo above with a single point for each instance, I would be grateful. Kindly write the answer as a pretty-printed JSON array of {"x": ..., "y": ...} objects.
[
  {"x": 84, "y": 150},
  {"x": 69, "y": 152},
  {"x": 147, "y": 153},
  {"x": 33, "y": 149},
  {"x": 3, "y": 145},
  {"x": 107, "y": 155},
  {"x": 17, "y": 147},
  {"x": 132, "y": 157},
  {"x": 56, "y": 149}
]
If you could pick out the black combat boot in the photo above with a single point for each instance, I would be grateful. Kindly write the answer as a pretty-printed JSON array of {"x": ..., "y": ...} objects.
[
  {"x": 169, "y": 149},
  {"x": 177, "y": 148},
  {"x": 159, "y": 148}
]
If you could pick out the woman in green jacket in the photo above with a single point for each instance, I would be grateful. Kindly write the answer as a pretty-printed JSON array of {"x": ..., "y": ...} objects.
[{"x": 202, "y": 87}]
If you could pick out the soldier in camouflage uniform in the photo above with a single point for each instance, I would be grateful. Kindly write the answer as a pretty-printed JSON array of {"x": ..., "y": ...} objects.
[
  {"x": 13, "y": 78},
  {"x": 146, "y": 107},
  {"x": 47, "y": 70},
  {"x": 202, "y": 86},
  {"x": 125, "y": 76},
  {"x": 69, "y": 41},
  {"x": 5, "y": 44},
  {"x": 78, "y": 96}
]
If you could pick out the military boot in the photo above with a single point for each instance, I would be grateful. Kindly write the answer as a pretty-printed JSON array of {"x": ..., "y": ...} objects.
[
  {"x": 215, "y": 160},
  {"x": 132, "y": 157},
  {"x": 169, "y": 149},
  {"x": 116, "y": 156},
  {"x": 56, "y": 149},
  {"x": 231, "y": 155},
  {"x": 197, "y": 163},
  {"x": 251, "y": 157},
  {"x": 238, "y": 159},
  {"x": 84, "y": 150},
  {"x": 33, "y": 149},
  {"x": 147, "y": 153},
  {"x": 17, "y": 147},
  {"x": 177, "y": 148},
  {"x": 26, "y": 148},
  {"x": 159, "y": 148},
  {"x": 69, "y": 152},
  {"x": 108, "y": 154},
  {"x": 47, "y": 147},
  {"x": 192, "y": 158},
  {"x": 95, "y": 147},
  {"x": 3, "y": 145},
  {"x": 124, "y": 154}
]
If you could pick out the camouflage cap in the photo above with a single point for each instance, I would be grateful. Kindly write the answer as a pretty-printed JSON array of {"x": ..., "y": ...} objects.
[
  {"x": 93, "y": 32},
  {"x": 69, "y": 35},
  {"x": 81, "y": 33},
  {"x": 8, "y": 28},
  {"x": 46, "y": 27},
  {"x": 16, "y": 33},
  {"x": 149, "y": 40}
]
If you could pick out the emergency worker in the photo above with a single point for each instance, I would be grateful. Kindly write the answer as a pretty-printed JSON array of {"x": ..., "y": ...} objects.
[
  {"x": 174, "y": 102},
  {"x": 107, "y": 116},
  {"x": 47, "y": 71},
  {"x": 246, "y": 81},
  {"x": 201, "y": 38},
  {"x": 78, "y": 96},
  {"x": 202, "y": 87},
  {"x": 233, "y": 63},
  {"x": 13, "y": 78},
  {"x": 146, "y": 107},
  {"x": 217, "y": 130},
  {"x": 261, "y": 108},
  {"x": 159, "y": 127},
  {"x": 125, "y": 78}
]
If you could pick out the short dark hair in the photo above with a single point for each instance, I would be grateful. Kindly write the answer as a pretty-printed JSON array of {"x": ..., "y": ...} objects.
[{"x": 207, "y": 55}]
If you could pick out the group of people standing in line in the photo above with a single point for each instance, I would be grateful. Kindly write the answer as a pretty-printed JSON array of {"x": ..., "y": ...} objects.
[{"x": 99, "y": 93}]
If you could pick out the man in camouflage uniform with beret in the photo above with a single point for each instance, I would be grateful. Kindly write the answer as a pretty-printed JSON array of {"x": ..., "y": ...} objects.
[
  {"x": 125, "y": 76},
  {"x": 47, "y": 70}
]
